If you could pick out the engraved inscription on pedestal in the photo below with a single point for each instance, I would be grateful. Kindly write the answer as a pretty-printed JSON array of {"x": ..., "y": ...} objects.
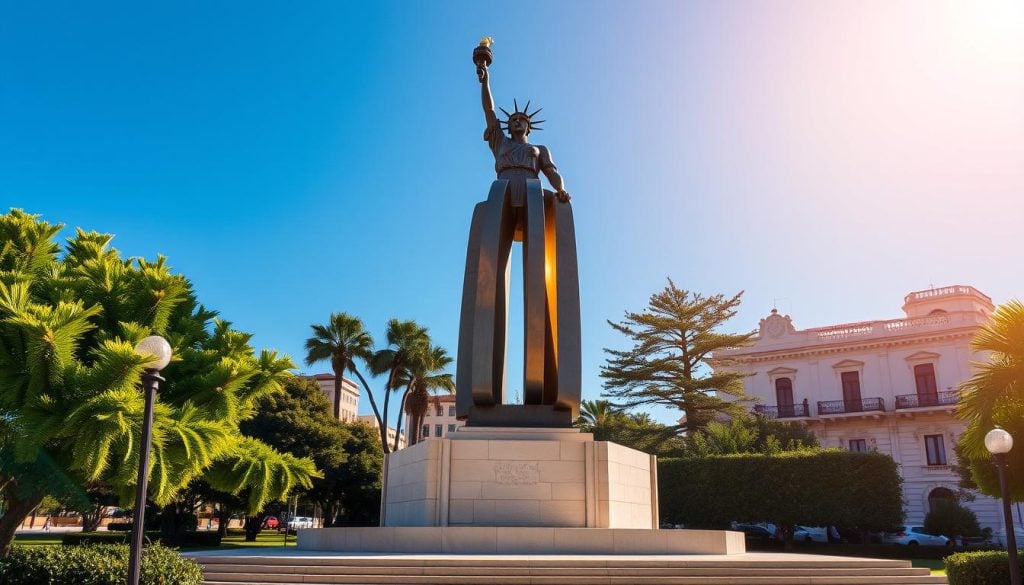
[{"x": 517, "y": 473}]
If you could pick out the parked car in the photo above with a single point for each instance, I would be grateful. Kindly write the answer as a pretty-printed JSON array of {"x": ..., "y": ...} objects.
[
  {"x": 300, "y": 522},
  {"x": 810, "y": 534},
  {"x": 755, "y": 534},
  {"x": 916, "y": 536},
  {"x": 1000, "y": 539}
]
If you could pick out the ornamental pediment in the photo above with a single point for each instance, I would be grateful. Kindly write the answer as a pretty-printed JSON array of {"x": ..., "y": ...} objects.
[
  {"x": 848, "y": 364},
  {"x": 775, "y": 325},
  {"x": 922, "y": 356},
  {"x": 781, "y": 371}
]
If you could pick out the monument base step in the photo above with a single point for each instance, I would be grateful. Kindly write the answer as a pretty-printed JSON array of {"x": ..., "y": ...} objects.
[
  {"x": 512, "y": 540},
  {"x": 287, "y": 566}
]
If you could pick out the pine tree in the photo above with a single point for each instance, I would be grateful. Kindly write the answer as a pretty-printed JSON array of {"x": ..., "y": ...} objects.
[{"x": 673, "y": 340}]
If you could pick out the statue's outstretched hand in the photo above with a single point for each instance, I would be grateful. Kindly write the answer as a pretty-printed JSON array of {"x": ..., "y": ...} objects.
[
  {"x": 481, "y": 74},
  {"x": 563, "y": 196}
]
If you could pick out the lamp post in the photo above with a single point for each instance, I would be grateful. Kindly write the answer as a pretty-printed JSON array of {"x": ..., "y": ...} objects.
[
  {"x": 999, "y": 442},
  {"x": 160, "y": 350}
]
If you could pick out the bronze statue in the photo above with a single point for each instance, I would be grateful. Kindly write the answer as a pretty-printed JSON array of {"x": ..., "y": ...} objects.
[{"x": 519, "y": 209}]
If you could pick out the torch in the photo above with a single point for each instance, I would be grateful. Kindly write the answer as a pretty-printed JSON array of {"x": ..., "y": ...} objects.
[{"x": 482, "y": 55}]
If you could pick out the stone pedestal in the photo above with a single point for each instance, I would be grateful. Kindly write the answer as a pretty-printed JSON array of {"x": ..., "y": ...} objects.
[{"x": 515, "y": 477}]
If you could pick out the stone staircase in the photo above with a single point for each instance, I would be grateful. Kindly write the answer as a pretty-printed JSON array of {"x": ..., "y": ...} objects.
[{"x": 306, "y": 567}]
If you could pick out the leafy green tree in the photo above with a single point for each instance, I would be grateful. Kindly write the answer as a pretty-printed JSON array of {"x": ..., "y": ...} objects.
[
  {"x": 777, "y": 435},
  {"x": 633, "y": 430},
  {"x": 949, "y": 518},
  {"x": 356, "y": 484},
  {"x": 69, "y": 376},
  {"x": 993, "y": 397},
  {"x": 749, "y": 435},
  {"x": 299, "y": 421},
  {"x": 673, "y": 340},
  {"x": 262, "y": 474},
  {"x": 425, "y": 375}
]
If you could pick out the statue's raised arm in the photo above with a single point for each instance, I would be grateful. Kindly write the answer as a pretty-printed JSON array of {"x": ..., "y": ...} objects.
[{"x": 482, "y": 57}]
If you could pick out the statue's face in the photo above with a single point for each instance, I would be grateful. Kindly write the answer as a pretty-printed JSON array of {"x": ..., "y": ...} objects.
[{"x": 518, "y": 125}]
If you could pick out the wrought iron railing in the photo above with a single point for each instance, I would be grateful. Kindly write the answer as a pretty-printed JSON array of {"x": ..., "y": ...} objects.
[
  {"x": 782, "y": 410},
  {"x": 928, "y": 399},
  {"x": 847, "y": 406}
]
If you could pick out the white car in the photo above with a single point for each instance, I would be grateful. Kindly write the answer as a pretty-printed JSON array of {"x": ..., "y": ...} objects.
[
  {"x": 916, "y": 536},
  {"x": 300, "y": 522},
  {"x": 810, "y": 534}
]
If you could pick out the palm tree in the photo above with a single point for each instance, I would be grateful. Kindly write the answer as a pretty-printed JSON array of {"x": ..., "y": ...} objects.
[
  {"x": 407, "y": 343},
  {"x": 70, "y": 410},
  {"x": 994, "y": 396},
  {"x": 424, "y": 376},
  {"x": 595, "y": 413},
  {"x": 342, "y": 341},
  {"x": 262, "y": 475}
]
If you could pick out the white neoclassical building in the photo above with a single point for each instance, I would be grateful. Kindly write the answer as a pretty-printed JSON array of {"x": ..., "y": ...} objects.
[{"x": 889, "y": 385}]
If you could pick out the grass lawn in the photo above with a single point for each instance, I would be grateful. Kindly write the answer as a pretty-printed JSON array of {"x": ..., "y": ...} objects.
[
  {"x": 937, "y": 566},
  {"x": 231, "y": 541},
  {"x": 38, "y": 539},
  {"x": 265, "y": 538}
]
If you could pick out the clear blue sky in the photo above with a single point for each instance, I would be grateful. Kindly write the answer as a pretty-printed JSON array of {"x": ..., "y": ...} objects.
[{"x": 295, "y": 159}]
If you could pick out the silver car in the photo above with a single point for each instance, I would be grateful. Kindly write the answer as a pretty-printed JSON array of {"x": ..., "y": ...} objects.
[
  {"x": 300, "y": 522},
  {"x": 916, "y": 536}
]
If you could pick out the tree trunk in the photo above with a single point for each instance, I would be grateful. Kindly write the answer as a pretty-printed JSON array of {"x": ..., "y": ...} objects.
[
  {"x": 330, "y": 513},
  {"x": 337, "y": 394},
  {"x": 253, "y": 524},
  {"x": 398, "y": 423},
  {"x": 376, "y": 413},
  {"x": 91, "y": 519},
  {"x": 16, "y": 512},
  {"x": 223, "y": 519}
]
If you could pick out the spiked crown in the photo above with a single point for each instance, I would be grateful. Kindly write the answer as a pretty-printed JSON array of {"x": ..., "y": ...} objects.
[{"x": 533, "y": 124}]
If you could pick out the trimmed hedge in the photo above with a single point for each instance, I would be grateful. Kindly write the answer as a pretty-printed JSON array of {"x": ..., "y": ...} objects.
[
  {"x": 989, "y": 567},
  {"x": 203, "y": 539},
  {"x": 101, "y": 564},
  {"x": 827, "y": 487}
]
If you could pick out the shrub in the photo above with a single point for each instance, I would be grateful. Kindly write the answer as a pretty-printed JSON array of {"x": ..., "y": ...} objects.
[
  {"x": 813, "y": 487},
  {"x": 951, "y": 519},
  {"x": 119, "y": 527},
  {"x": 77, "y": 538},
  {"x": 95, "y": 565},
  {"x": 988, "y": 567}
]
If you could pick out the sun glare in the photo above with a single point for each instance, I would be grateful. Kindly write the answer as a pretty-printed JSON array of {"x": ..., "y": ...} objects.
[{"x": 994, "y": 29}]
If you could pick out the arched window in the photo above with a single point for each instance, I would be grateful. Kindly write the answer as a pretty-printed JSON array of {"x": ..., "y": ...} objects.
[
  {"x": 940, "y": 494},
  {"x": 784, "y": 396}
]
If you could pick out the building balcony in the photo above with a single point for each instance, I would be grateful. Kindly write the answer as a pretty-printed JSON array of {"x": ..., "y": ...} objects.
[
  {"x": 864, "y": 405},
  {"x": 938, "y": 399},
  {"x": 783, "y": 410}
]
